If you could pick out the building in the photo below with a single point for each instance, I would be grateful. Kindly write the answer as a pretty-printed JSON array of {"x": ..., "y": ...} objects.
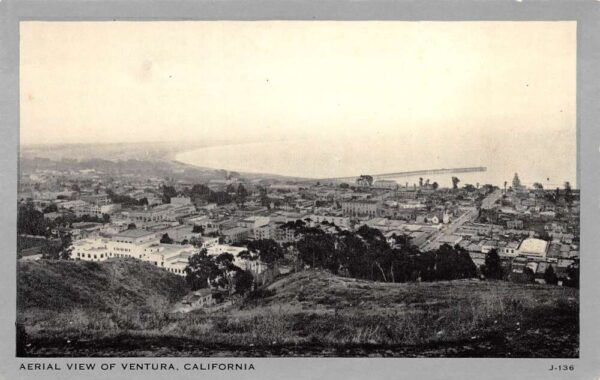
[
  {"x": 96, "y": 199},
  {"x": 263, "y": 232},
  {"x": 146, "y": 215},
  {"x": 137, "y": 244},
  {"x": 534, "y": 248},
  {"x": 200, "y": 298},
  {"x": 166, "y": 212},
  {"x": 386, "y": 184},
  {"x": 515, "y": 224},
  {"x": 253, "y": 222},
  {"x": 236, "y": 234},
  {"x": 181, "y": 201},
  {"x": 97, "y": 211},
  {"x": 340, "y": 221},
  {"x": 360, "y": 207},
  {"x": 510, "y": 249}
]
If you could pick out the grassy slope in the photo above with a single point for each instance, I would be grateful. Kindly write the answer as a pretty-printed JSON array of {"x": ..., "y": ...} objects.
[
  {"x": 318, "y": 314},
  {"x": 58, "y": 300}
]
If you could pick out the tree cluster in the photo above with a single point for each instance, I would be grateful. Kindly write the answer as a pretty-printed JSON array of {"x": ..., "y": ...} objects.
[
  {"x": 202, "y": 193},
  {"x": 217, "y": 272},
  {"x": 125, "y": 199},
  {"x": 366, "y": 254},
  {"x": 266, "y": 250}
]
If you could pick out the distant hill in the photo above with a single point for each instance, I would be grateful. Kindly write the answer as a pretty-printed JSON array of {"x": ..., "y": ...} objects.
[{"x": 63, "y": 285}]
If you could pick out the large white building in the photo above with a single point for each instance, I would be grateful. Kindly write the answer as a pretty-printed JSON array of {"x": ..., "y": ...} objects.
[
  {"x": 361, "y": 207},
  {"x": 97, "y": 211},
  {"x": 534, "y": 248},
  {"x": 145, "y": 245},
  {"x": 138, "y": 244}
]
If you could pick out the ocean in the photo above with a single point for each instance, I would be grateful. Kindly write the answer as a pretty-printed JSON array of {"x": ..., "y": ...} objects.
[{"x": 346, "y": 157}]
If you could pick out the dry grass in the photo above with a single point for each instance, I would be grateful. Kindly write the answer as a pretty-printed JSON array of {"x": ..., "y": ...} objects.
[{"x": 318, "y": 309}]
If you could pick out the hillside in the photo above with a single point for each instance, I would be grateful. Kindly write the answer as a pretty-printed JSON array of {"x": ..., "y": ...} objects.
[
  {"x": 62, "y": 300},
  {"x": 64, "y": 285},
  {"x": 314, "y": 313}
]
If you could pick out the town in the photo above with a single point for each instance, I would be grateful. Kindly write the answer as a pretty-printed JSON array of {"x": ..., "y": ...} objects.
[{"x": 91, "y": 214}]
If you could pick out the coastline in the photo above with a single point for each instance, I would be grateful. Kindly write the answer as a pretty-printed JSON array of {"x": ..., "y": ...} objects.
[{"x": 172, "y": 157}]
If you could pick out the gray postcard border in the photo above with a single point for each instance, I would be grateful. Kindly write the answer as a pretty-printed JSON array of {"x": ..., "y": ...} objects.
[{"x": 587, "y": 15}]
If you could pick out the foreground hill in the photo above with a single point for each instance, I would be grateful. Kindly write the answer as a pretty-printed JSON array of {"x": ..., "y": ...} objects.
[
  {"x": 65, "y": 285},
  {"x": 61, "y": 300},
  {"x": 314, "y": 313}
]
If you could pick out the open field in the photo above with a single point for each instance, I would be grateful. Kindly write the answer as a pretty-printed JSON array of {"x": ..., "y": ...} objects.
[{"x": 304, "y": 314}]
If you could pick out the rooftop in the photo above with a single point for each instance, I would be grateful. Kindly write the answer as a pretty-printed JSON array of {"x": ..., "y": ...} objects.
[
  {"x": 134, "y": 233},
  {"x": 532, "y": 245}
]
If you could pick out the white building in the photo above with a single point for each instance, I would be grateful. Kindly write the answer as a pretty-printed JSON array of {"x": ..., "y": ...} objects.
[
  {"x": 386, "y": 184},
  {"x": 138, "y": 244},
  {"x": 534, "y": 248}
]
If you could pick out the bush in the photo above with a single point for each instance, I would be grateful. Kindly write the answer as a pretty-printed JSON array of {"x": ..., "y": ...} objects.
[{"x": 260, "y": 294}]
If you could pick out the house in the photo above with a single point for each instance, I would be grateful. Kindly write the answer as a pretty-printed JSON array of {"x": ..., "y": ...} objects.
[
  {"x": 200, "y": 298},
  {"x": 451, "y": 240},
  {"x": 510, "y": 249},
  {"x": 515, "y": 224}
]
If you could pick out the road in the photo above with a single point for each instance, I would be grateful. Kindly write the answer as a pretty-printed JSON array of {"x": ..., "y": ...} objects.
[
  {"x": 468, "y": 216},
  {"x": 489, "y": 201}
]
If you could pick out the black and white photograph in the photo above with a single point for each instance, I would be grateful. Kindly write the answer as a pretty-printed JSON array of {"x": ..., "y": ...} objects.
[{"x": 296, "y": 188}]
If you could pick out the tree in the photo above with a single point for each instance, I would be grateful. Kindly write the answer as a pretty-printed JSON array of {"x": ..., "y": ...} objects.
[
  {"x": 241, "y": 194},
  {"x": 572, "y": 276},
  {"x": 546, "y": 236},
  {"x": 165, "y": 239},
  {"x": 455, "y": 182},
  {"x": 529, "y": 276},
  {"x": 200, "y": 269},
  {"x": 243, "y": 282},
  {"x": 30, "y": 221},
  {"x": 268, "y": 250},
  {"x": 344, "y": 185},
  {"x": 131, "y": 226},
  {"x": 50, "y": 208},
  {"x": 364, "y": 180},
  {"x": 230, "y": 189},
  {"x": 228, "y": 273},
  {"x": 197, "y": 229},
  {"x": 316, "y": 249},
  {"x": 219, "y": 197},
  {"x": 60, "y": 251},
  {"x": 538, "y": 186},
  {"x": 550, "y": 276},
  {"x": 470, "y": 188},
  {"x": 168, "y": 192},
  {"x": 200, "y": 192},
  {"x": 420, "y": 181},
  {"x": 66, "y": 246},
  {"x": 435, "y": 185},
  {"x": 568, "y": 193},
  {"x": 492, "y": 268}
]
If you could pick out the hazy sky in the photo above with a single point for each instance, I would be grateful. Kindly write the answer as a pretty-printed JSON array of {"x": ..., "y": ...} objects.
[{"x": 477, "y": 84}]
